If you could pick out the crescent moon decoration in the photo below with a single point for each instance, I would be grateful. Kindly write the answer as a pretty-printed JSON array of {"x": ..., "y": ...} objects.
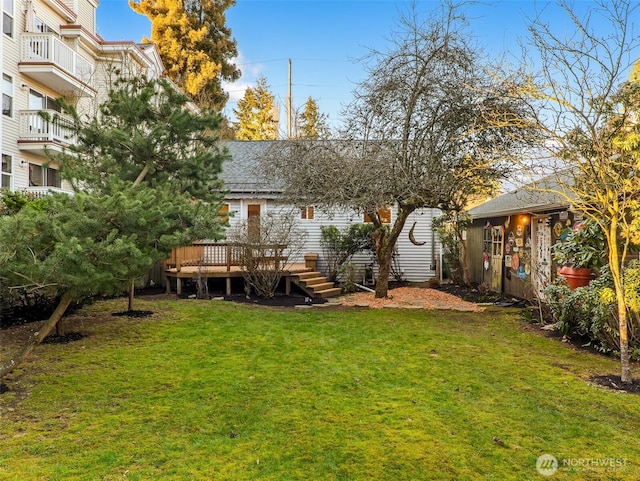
[{"x": 412, "y": 238}]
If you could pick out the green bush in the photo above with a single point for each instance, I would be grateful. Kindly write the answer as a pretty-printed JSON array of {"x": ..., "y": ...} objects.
[
  {"x": 592, "y": 311},
  {"x": 339, "y": 246},
  {"x": 582, "y": 248}
]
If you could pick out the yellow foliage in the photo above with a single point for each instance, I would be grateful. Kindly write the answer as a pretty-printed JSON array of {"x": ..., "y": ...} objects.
[
  {"x": 194, "y": 45},
  {"x": 608, "y": 296}
]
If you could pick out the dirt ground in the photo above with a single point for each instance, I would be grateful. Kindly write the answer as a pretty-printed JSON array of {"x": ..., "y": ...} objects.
[{"x": 411, "y": 297}]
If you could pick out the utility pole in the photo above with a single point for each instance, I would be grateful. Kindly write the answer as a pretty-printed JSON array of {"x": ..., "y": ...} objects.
[{"x": 289, "y": 108}]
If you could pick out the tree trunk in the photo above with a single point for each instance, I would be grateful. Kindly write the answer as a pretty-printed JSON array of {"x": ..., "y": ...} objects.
[
  {"x": 625, "y": 366},
  {"x": 384, "y": 269},
  {"x": 132, "y": 290},
  {"x": 60, "y": 328},
  {"x": 615, "y": 265},
  {"x": 37, "y": 338},
  {"x": 385, "y": 245},
  {"x": 464, "y": 261}
]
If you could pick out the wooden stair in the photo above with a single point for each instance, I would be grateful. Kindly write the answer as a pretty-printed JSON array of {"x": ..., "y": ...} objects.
[{"x": 316, "y": 285}]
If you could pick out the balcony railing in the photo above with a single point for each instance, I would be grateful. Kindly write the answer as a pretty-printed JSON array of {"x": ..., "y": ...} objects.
[
  {"x": 46, "y": 47},
  {"x": 40, "y": 192},
  {"x": 46, "y": 126}
]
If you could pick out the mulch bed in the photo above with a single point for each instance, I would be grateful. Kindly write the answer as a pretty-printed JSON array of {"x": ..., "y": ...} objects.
[
  {"x": 133, "y": 313},
  {"x": 64, "y": 339},
  {"x": 279, "y": 300},
  {"x": 615, "y": 383}
]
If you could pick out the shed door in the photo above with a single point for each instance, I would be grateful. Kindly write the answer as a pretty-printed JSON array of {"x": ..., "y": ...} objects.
[
  {"x": 497, "y": 243},
  {"x": 542, "y": 263}
]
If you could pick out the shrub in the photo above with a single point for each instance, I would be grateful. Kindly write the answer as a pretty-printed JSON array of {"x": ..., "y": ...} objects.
[
  {"x": 338, "y": 247},
  {"x": 591, "y": 311},
  {"x": 582, "y": 248},
  {"x": 450, "y": 229},
  {"x": 267, "y": 245}
]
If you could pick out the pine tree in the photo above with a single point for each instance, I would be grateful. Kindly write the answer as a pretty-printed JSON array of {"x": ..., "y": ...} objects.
[
  {"x": 71, "y": 248},
  {"x": 145, "y": 171},
  {"x": 144, "y": 133},
  {"x": 195, "y": 45},
  {"x": 312, "y": 124},
  {"x": 256, "y": 114}
]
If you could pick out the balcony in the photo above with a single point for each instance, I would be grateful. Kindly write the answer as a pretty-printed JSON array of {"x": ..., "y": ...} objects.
[
  {"x": 40, "y": 192},
  {"x": 48, "y": 60},
  {"x": 42, "y": 131}
]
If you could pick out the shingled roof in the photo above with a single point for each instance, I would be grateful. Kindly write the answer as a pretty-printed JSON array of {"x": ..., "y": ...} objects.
[
  {"x": 531, "y": 198},
  {"x": 240, "y": 173}
]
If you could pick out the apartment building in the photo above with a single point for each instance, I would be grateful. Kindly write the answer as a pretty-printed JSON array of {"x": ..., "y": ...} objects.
[{"x": 50, "y": 49}]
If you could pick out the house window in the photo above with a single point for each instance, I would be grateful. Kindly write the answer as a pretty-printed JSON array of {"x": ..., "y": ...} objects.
[
  {"x": 7, "y": 17},
  {"x": 7, "y": 95},
  {"x": 307, "y": 213},
  {"x": 38, "y": 101},
  {"x": 40, "y": 176},
  {"x": 384, "y": 214},
  {"x": 6, "y": 171}
]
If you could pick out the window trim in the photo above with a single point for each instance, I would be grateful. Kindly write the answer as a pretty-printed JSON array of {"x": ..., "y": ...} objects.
[
  {"x": 6, "y": 174},
  {"x": 308, "y": 213},
  {"x": 10, "y": 95},
  {"x": 11, "y": 16}
]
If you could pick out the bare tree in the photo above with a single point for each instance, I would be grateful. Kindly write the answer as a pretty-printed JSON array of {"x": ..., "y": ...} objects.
[
  {"x": 267, "y": 246},
  {"x": 427, "y": 128},
  {"x": 586, "y": 113}
]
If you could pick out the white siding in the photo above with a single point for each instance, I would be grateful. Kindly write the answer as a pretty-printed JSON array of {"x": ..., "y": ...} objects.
[
  {"x": 54, "y": 17},
  {"x": 416, "y": 263}
]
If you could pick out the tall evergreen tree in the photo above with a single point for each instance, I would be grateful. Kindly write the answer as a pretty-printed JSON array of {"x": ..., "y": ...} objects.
[
  {"x": 256, "y": 114},
  {"x": 145, "y": 172},
  {"x": 144, "y": 133},
  {"x": 311, "y": 123},
  {"x": 195, "y": 45}
]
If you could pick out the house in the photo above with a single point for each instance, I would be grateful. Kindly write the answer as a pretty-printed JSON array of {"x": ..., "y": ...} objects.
[
  {"x": 510, "y": 239},
  {"x": 50, "y": 49},
  {"x": 249, "y": 195}
]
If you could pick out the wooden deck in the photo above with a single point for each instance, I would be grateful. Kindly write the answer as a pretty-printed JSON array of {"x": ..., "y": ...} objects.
[
  {"x": 193, "y": 272},
  {"x": 220, "y": 260}
]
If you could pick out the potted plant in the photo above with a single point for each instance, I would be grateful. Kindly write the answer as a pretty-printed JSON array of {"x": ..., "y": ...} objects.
[{"x": 581, "y": 254}]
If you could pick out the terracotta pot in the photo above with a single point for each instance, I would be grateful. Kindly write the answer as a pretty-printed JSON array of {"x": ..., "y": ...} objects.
[{"x": 576, "y": 277}]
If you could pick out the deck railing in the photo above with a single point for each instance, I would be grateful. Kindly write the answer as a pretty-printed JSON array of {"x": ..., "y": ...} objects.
[{"x": 204, "y": 253}]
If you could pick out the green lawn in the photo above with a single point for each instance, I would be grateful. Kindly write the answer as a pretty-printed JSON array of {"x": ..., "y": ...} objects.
[{"x": 210, "y": 390}]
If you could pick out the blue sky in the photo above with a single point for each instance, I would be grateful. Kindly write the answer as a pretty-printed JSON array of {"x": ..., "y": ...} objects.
[{"x": 324, "y": 39}]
